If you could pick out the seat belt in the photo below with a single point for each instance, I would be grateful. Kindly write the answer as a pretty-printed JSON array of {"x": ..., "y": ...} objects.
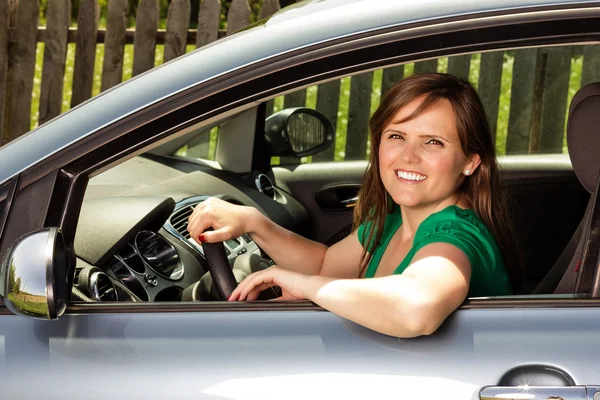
[{"x": 565, "y": 269}]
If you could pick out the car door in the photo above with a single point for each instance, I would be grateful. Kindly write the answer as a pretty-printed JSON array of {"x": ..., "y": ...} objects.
[{"x": 220, "y": 350}]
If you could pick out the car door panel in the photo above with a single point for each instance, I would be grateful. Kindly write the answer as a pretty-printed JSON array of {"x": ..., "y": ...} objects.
[{"x": 286, "y": 354}]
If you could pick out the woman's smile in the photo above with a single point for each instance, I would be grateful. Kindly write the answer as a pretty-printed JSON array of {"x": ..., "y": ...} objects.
[{"x": 410, "y": 177}]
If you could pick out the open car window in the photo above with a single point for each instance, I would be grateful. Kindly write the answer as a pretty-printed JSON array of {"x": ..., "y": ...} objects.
[{"x": 141, "y": 206}]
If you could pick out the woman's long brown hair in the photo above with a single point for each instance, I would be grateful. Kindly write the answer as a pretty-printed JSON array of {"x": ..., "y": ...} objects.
[{"x": 481, "y": 190}]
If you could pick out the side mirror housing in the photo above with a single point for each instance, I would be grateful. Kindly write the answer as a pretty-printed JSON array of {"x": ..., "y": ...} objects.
[
  {"x": 298, "y": 132},
  {"x": 34, "y": 275}
]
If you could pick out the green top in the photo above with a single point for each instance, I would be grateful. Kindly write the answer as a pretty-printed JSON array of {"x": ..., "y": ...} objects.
[{"x": 460, "y": 228}]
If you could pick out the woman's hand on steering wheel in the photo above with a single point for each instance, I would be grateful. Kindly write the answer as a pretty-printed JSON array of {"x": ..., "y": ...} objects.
[
  {"x": 227, "y": 221},
  {"x": 290, "y": 283}
]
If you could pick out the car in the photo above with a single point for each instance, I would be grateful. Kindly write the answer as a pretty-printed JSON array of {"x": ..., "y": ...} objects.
[{"x": 103, "y": 289}]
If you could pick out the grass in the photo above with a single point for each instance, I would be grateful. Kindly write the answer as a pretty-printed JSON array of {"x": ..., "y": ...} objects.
[{"x": 312, "y": 92}]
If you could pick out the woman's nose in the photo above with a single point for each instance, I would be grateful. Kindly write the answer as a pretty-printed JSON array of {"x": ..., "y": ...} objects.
[{"x": 410, "y": 152}]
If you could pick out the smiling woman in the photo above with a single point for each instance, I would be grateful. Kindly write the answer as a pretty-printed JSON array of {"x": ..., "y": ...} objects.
[{"x": 421, "y": 229}]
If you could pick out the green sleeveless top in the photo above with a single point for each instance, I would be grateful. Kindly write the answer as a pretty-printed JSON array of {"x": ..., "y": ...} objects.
[{"x": 458, "y": 227}]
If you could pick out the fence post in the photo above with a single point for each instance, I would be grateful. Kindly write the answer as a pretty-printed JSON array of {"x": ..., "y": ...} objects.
[
  {"x": 4, "y": 32},
  {"x": 85, "y": 55},
  {"x": 390, "y": 77},
  {"x": 209, "y": 14},
  {"x": 268, "y": 8},
  {"x": 114, "y": 45},
  {"x": 490, "y": 81},
  {"x": 521, "y": 101},
  {"x": 460, "y": 66},
  {"x": 18, "y": 112},
  {"x": 178, "y": 20},
  {"x": 238, "y": 16},
  {"x": 359, "y": 110},
  {"x": 556, "y": 89},
  {"x": 591, "y": 64},
  {"x": 328, "y": 102},
  {"x": 426, "y": 66},
  {"x": 144, "y": 43},
  {"x": 58, "y": 19}
]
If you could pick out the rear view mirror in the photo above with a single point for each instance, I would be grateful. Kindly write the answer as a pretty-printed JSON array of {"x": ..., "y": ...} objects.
[
  {"x": 298, "y": 132},
  {"x": 33, "y": 277}
]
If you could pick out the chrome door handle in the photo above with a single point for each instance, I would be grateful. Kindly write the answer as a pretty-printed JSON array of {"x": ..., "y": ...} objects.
[
  {"x": 349, "y": 202},
  {"x": 540, "y": 392}
]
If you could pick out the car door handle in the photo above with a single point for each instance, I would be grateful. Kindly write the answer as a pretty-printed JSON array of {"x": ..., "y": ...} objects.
[
  {"x": 540, "y": 392},
  {"x": 351, "y": 202},
  {"x": 338, "y": 197}
]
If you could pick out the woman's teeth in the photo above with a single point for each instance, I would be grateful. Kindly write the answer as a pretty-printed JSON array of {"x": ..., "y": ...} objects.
[{"x": 411, "y": 176}]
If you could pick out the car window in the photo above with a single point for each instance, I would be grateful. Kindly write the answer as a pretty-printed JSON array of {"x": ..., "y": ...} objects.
[
  {"x": 526, "y": 93},
  {"x": 202, "y": 145}
]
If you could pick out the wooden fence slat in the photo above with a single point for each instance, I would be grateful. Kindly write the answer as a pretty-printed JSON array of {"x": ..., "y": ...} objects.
[
  {"x": 460, "y": 66},
  {"x": 328, "y": 101},
  {"x": 426, "y": 66},
  {"x": 554, "y": 106},
  {"x": 490, "y": 81},
  {"x": 295, "y": 99},
  {"x": 114, "y": 46},
  {"x": 85, "y": 55},
  {"x": 18, "y": 112},
  {"x": 209, "y": 15},
  {"x": 58, "y": 19},
  {"x": 4, "y": 26},
  {"x": 238, "y": 16},
  {"x": 536, "y": 102},
  {"x": 144, "y": 47},
  {"x": 521, "y": 101},
  {"x": 268, "y": 8},
  {"x": 390, "y": 77},
  {"x": 178, "y": 20},
  {"x": 591, "y": 64},
  {"x": 359, "y": 111}
]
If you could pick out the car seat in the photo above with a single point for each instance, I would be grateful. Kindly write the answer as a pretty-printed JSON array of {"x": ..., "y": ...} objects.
[{"x": 567, "y": 274}]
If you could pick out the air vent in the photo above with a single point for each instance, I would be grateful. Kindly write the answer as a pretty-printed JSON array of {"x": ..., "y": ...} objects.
[
  {"x": 102, "y": 287},
  {"x": 264, "y": 185},
  {"x": 179, "y": 220}
]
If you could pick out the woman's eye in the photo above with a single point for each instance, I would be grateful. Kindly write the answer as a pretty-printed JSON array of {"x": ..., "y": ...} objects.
[
  {"x": 395, "y": 136},
  {"x": 435, "y": 142}
]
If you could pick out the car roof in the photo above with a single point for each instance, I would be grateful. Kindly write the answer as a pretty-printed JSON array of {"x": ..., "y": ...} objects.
[{"x": 292, "y": 28}]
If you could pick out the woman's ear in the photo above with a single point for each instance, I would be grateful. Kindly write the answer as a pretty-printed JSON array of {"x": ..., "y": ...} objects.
[{"x": 472, "y": 164}]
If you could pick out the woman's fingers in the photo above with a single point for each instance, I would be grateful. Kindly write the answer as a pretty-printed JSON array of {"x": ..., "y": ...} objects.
[
  {"x": 256, "y": 282},
  {"x": 226, "y": 219}
]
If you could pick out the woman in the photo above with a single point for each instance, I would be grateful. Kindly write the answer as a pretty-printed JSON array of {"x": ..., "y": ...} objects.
[{"x": 429, "y": 228}]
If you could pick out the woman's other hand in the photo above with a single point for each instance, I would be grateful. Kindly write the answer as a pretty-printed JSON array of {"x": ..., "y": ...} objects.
[
  {"x": 227, "y": 220},
  {"x": 290, "y": 283}
]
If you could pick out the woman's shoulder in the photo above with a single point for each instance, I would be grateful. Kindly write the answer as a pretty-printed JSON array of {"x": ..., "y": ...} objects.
[{"x": 454, "y": 220}]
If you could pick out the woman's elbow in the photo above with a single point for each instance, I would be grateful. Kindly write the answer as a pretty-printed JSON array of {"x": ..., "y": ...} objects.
[{"x": 421, "y": 318}]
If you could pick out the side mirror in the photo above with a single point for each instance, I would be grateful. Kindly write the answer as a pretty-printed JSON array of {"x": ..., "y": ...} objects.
[
  {"x": 34, "y": 275},
  {"x": 298, "y": 132}
]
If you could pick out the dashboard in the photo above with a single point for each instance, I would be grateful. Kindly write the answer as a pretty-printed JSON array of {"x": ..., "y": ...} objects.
[{"x": 132, "y": 242}]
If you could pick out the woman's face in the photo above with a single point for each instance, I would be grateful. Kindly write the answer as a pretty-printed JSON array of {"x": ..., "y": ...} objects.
[{"x": 421, "y": 161}]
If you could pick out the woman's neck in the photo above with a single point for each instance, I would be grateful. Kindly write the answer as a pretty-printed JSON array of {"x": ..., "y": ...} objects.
[{"x": 412, "y": 217}]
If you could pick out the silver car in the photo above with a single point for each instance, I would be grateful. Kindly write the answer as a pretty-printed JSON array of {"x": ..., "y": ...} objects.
[{"x": 113, "y": 299}]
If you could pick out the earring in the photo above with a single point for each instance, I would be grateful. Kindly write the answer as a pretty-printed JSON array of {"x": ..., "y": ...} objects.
[{"x": 468, "y": 172}]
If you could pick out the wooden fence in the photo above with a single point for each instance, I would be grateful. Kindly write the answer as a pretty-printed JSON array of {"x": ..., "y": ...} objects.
[{"x": 539, "y": 82}]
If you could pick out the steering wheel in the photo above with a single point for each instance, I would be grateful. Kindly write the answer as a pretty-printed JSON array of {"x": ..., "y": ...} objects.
[{"x": 219, "y": 269}]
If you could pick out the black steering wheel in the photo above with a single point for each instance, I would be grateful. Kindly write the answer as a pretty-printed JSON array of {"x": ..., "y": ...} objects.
[{"x": 219, "y": 269}]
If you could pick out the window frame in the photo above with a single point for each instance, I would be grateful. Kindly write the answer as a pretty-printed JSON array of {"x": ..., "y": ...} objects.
[{"x": 68, "y": 171}]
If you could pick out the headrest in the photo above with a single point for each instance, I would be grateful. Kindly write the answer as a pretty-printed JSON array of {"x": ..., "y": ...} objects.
[{"x": 583, "y": 135}]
